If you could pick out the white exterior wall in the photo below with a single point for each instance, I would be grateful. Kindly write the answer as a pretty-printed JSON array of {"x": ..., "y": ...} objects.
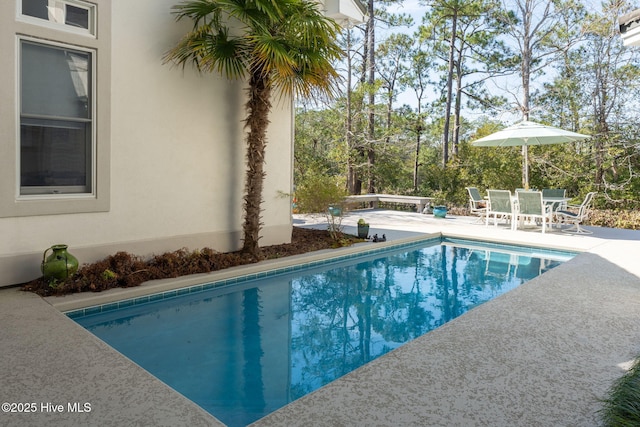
[{"x": 177, "y": 155}]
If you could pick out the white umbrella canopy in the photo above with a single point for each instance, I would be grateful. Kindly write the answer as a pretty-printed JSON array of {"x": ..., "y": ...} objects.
[{"x": 527, "y": 133}]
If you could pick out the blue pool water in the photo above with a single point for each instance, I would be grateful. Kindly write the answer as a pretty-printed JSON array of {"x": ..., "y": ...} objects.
[{"x": 245, "y": 350}]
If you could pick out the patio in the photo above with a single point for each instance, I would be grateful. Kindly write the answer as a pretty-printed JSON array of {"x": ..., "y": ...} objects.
[{"x": 543, "y": 354}]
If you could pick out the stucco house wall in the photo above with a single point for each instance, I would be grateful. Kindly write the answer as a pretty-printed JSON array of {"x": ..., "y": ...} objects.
[{"x": 170, "y": 149}]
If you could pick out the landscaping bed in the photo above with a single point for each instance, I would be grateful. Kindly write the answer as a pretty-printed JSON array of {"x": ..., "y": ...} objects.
[{"x": 124, "y": 270}]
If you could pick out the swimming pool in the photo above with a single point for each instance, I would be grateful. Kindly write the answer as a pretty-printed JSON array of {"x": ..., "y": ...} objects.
[{"x": 243, "y": 350}]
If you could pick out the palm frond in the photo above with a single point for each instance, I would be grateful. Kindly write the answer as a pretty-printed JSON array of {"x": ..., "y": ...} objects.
[
  {"x": 311, "y": 26},
  {"x": 211, "y": 52},
  {"x": 201, "y": 12},
  {"x": 255, "y": 14},
  {"x": 290, "y": 42},
  {"x": 229, "y": 56},
  {"x": 271, "y": 54},
  {"x": 313, "y": 74},
  {"x": 191, "y": 48},
  {"x": 273, "y": 9}
]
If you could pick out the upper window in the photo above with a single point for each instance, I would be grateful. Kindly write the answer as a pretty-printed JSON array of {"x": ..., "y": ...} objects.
[
  {"x": 72, "y": 15},
  {"x": 56, "y": 119}
]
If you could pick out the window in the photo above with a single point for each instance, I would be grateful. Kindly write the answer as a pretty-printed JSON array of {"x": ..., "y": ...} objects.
[
  {"x": 56, "y": 119},
  {"x": 72, "y": 15},
  {"x": 56, "y": 98}
]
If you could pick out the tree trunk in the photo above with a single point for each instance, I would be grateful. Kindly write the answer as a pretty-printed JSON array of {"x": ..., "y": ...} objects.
[
  {"x": 601, "y": 103},
  {"x": 351, "y": 186},
  {"x": 387, "y": 138},
  {"x": 447, "y": 112},
  {"x": 416, "y": 161},
  {"x": 458, "y": 103},
  {"x": 371, "y": 155},
  {"x": 526, "y": 84},
  {"x": 258, "y": 108},
  {"x": 526, "y": 81}
]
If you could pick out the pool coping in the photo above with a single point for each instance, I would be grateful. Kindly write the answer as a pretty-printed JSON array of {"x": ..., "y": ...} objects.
[{"x": 84, "y": 303}]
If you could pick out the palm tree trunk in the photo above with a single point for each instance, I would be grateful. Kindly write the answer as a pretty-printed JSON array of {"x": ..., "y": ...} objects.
[{"x": 258, "y": 108}]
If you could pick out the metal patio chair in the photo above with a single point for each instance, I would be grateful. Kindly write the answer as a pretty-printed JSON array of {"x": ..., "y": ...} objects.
[
  {"x": 577, "y": 215},
  {"x": 531, "y": 206},
  {"x": 477, "y": 205},
  {"x": 500, "y": 205}
]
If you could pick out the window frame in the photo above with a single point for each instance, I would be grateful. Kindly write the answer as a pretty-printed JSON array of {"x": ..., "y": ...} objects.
[
  {"x": 29, "y": 192},
  {"x": 89, "y": 7},
  {"x": 12, "y": 204}
]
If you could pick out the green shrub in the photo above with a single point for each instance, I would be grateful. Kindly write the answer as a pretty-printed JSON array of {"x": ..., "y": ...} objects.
[{"x": 322, "y": 194}]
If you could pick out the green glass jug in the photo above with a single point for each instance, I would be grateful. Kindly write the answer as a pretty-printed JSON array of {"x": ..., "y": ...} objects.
[{"x": 58, "y": 265}]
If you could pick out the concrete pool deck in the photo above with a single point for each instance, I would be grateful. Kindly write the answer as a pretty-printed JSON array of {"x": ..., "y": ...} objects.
[{"x": 543, "y": 354}]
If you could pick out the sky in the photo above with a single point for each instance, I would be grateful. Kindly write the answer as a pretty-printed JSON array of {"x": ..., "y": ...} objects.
[{"x": 416, "y": 10}]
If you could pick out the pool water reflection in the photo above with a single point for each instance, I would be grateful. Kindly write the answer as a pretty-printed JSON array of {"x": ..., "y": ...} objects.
[{"x": 243, "y": 351}]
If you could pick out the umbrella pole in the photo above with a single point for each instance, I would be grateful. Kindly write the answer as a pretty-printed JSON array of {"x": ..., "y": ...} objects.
[{"x": 525, "y": 166}]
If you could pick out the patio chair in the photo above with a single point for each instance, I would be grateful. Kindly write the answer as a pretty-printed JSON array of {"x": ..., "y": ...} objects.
[
  {"x": 575, "y": 218},
  {"x": 499, "y": 206},
  {"x": 531, "y": 206},
  {"x": 477, "y": 205}
]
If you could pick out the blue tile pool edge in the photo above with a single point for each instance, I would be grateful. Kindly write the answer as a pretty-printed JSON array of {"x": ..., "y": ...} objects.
[
  {"x": 101, "y": 308},
  {"x": 138, "y": 300},
  {"x": 485, "y": 244}
]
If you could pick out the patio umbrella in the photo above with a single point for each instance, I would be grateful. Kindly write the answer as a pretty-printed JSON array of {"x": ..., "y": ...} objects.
[{"x": 524, "y": 134}]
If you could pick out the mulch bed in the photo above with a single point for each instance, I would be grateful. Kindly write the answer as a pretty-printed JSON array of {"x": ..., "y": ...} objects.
[{"x": 124, "y": 270}]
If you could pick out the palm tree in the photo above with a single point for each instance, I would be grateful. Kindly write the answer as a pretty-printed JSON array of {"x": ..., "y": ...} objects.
[{"x": 283, "y": 45}]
